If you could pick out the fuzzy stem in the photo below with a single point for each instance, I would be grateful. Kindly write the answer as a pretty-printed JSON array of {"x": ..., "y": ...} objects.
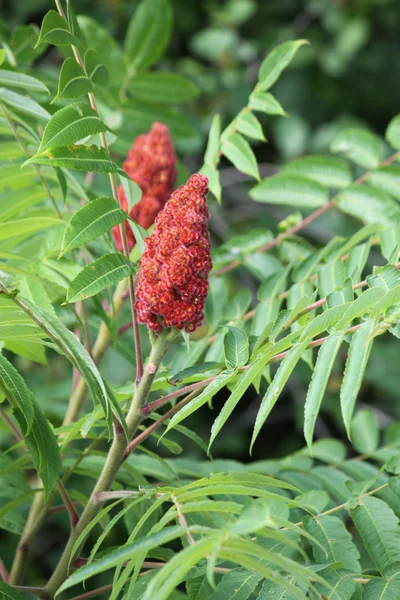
[
  {"x": 3, "y": 572},
  {"x": 113, "y": 462}
]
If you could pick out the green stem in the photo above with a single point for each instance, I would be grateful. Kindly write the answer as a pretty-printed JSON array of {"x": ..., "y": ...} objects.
[{"x": 113, "y": 462}]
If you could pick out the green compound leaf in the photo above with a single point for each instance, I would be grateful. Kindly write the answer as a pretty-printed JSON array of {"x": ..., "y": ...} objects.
[
  {"x": 73, "y": 81},
  {"x": 99, "y": 275},
  {"x": 69, "y": 125},
  {"x": 91, "y": 221},
  {"x": 55, "y": 31},
  {"x": 78, "y": 157},
  {"x": 290, "y": 189}
]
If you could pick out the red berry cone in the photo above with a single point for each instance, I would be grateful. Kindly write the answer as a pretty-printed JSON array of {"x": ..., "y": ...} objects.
[
  {"x": 172, "y": 286},
  {"x": 151, "y": 164}
]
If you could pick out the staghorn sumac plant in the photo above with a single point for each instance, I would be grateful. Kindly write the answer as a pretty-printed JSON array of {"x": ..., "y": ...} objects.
[{"x": 111, "y": 289}]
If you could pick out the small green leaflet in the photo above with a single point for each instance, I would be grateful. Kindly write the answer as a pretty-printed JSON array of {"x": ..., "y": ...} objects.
[
  {"x": 211, "y": 155},
  {"x": 266, "y": 103},
  {"x": 69, "y": 125},
  {"x": 379, "y": 529},
  {"x": 387, "y": 179},
  {"x": 238, "y": 584},
  {"x": 28, "y": 226},
  {"x": 148, "y": 33},
  {"x": 219, "y": 382},
  {"x": 91, "y": 221},
  {"x": 290, "y": 189},
  {"x": 359, "y": 351},
  {"x": 361, "y": 146},
  {"x": 343, "y": 585},
  {"x": 365, "y": 432},
  {"x": 236, "y": 347},
  {"x": 393, "y": 132},
  {"x": 238, "y": 151},
  {"x": 319, "y": 381},
  {"x": 277, "y": 385},
  {"x": 73, "y": 81},
  {"x": 55, "y": 31},
  {"x": 23, "y": 104},
  {"x": 168, "y": 88},
  {"x": 24, "y": 82},
  {"x": 96, "y": 71},
  {"x": 335, "y": 542},
  {"x": 329, "y": 171},
  {"x": 382, "y": 589},
  {"x": 369, "y": 205},
  {"x": 100, "y": 274},
  {"x": 276, "y": 61},
  {"x": 35, "y": 428},
  {"x": 79, "y": 157},
  {"x": 249, "y": 125}
]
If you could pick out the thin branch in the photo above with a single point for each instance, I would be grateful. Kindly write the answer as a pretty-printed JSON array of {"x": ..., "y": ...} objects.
[
  {"x": 303, "y": 223},
  {"x": 142, "y": 436},
  {"x": 27, "y": 589},
  {"x": 36, "y": 167},
  {"x": 3, "y": 572},
  {"x": 151, "y": 406},
  {"x": 10, "y": 424},
  {"x": 114, "y": 188},
  {"x": 182, "y": 520},
  {"x": 69, "y": 505}
]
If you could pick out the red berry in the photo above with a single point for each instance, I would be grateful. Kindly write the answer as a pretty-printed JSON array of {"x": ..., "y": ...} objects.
[{"x": 172, "y": 286}]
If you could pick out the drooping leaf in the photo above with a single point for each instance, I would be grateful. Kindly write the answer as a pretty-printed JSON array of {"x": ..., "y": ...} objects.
[
  {"x": 117, "y": 557},
  {"x": 291, "y": 189},
  {"x": 277, "y": 385},
  {"x": 168, "y": 88},
  {"x": 361, "y": 146},
  {"x": 276, "y": 61},
  {"x": 239, "y": 152},
  {"x": 359, "y": 351},
  {"x": 79, "y": 157},
  {"x": 35, "y": 428},
  {"x": 211, "y": 154},
  {"x": 28, "y": 226},
  {"x": 326, "y": 170},
  {"x": 320, "y": 377},
  {"x": 91, "y": 221},
  {"x": 69, "y": 125},
  {"x": 23, "y": 104},
  {"x": 100, "y": 274},
  {"x": 22, "y": 81},
  {"x": 148, "y": 33}
]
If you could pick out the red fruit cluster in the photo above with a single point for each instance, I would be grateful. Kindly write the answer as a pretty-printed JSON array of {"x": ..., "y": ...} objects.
[
  {"x": 151, "y": 164},
  {"x": 172, "y": 286}
]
